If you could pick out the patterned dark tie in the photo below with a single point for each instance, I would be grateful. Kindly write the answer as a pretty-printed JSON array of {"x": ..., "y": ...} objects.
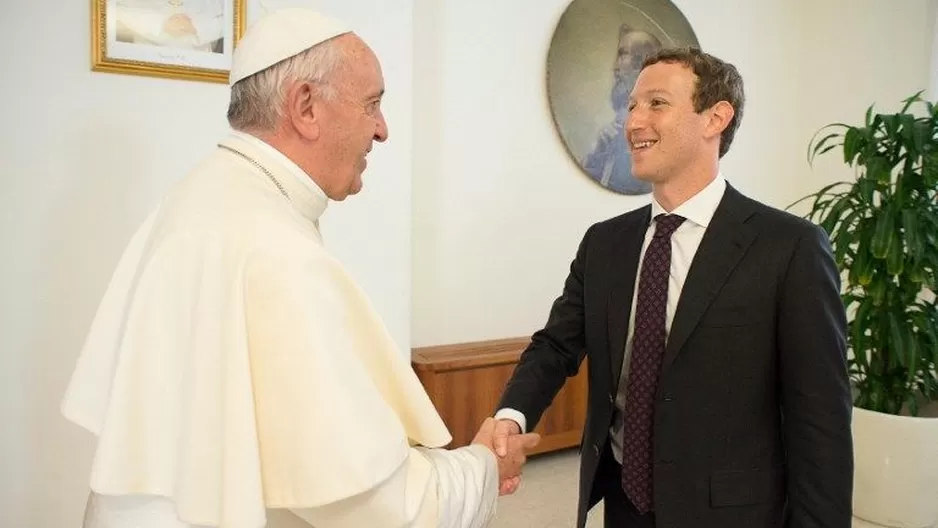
[{"x": 648, "y": 344}]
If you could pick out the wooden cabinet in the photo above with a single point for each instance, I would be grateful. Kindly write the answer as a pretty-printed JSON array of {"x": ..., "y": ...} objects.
[{"x": 466, "y": 380}]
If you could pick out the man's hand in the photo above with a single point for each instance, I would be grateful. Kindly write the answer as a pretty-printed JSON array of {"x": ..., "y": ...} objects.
[
  {"x": 514, "y": 447},
  {"x": 504, "y": 429}
]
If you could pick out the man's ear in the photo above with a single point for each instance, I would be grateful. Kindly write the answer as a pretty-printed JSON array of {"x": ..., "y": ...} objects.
[
  {"x": 303, "y": 110},
  {"x": 719, "y": 117}
]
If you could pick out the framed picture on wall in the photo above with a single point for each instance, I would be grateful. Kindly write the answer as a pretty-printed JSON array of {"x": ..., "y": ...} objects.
[
  {"x": 254, "y": 9},
  {"x": 181, "y": 39}
]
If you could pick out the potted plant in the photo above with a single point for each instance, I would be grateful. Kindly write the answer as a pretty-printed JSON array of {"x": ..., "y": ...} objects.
[{"x": 883, "y": 228}]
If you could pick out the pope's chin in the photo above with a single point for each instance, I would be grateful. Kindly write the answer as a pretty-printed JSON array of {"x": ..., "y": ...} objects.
[{"x": 356, "y": 186}]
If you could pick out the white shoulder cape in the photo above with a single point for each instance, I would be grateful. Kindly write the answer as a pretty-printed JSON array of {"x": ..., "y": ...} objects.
[{"x": 234, "y": 366}]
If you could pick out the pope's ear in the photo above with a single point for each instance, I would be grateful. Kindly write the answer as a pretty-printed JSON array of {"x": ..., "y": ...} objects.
[{"x": 303, "y": 109}]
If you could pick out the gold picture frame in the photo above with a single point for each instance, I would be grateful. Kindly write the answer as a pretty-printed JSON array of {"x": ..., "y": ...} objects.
[{"x": 176, "y": 39}]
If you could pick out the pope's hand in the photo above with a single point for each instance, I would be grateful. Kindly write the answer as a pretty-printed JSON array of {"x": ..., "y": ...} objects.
[
  {"x": 503, "y": 430},
  {"x": 514, "y": 447}
]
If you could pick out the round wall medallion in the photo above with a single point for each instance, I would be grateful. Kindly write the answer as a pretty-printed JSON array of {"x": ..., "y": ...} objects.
[{"x": 595, "y": 56}]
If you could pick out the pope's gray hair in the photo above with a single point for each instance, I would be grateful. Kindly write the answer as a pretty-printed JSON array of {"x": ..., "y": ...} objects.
[{"x": 257, "y": 102}]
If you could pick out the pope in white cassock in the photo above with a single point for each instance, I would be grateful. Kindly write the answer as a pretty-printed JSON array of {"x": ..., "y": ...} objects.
[{"x": 234, "y": 374}]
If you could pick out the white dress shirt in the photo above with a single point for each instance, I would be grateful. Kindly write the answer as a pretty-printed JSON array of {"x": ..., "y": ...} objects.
[{"x": 698, "y": 211}]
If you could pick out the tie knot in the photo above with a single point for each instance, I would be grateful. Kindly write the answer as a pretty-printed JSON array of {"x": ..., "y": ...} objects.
[{"x": 666, "y": 224}]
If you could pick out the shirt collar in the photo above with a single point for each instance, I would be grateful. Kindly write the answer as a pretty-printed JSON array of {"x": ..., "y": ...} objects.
[
  {"x": 701, "y": 207},
  {"x": 305, "y": 196}
]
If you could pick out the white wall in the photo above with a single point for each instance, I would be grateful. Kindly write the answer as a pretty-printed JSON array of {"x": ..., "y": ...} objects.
[
  {"x": 84, "y": 156},
  {"x": 888, "y": 61},
  {"x": 499, "y": 207},
  {"x": 933, "y": 83}
]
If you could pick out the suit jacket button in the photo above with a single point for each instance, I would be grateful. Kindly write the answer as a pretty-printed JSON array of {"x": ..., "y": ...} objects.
[
  {"x": 612, "y": 398},
  {"x": 596, "y": 449},
  {"x": 668, "y": 397}
]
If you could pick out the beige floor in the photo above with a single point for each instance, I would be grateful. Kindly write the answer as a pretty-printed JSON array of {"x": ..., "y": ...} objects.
[
  {"x": 547, "y": 498},
  {"x": 548, "y": 494}
]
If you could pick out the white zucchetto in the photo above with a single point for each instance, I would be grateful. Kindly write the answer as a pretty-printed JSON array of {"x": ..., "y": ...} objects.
[{"x": 278, "y": 36}]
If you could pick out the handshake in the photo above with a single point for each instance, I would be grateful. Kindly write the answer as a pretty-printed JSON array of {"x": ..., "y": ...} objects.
[{"x": 505, "y": 440}]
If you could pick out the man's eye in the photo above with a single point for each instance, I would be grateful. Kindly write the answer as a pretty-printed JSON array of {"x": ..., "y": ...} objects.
[{"x": 657, "y": 102}]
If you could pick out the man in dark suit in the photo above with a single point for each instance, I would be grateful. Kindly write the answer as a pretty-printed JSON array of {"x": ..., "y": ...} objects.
[{"x": 718, "y": 388}]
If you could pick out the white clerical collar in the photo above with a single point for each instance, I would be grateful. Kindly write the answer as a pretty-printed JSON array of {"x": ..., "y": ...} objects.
[
  {"x": 701, "y": 207},
  {"x": 307, "y": 197}
]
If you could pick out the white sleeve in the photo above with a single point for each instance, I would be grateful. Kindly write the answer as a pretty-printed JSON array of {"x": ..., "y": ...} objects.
[
  {"x": 511, "y": 414},
  {"x": 467, "y": 484},
  {"x": 434, "y": 488}
]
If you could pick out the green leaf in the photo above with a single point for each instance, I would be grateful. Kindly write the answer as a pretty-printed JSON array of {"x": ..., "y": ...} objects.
[
  {"x": 907, "y": 133},
  {"x": 815, "y": 146},
  {"x": 877, "y": 398},
  {"x": 823, "y": 142},
  {"x": 877, "y": 289},
  {"x": 929, "y": 389},
  {"x": 862, "y": 270},
  {"x": 912, "y": 353},
  {"x": 921, "y": 132},
  {"x": 931, "y": 330},
  {"x": 845, "y": 235},
  {"x": 834, "y": 215},
  {"x": 883, "y": 235},
  {"x": 925, "y": 322},
  {"x": 913, "y": 239},
  {"x": 898, "y": 340},
  {"x": 851, "y": 144},
  {"x": 916, "y": 273},
  {"x": 858, "y": 333},
  {"x": 891, "y": 124},
  {"x": 879, "y": 169},
  {"x": 895, "y": 263},
  {"x": 827, "y": 149},
  {"x": 908, "y": 101},
  {"x": 929, "y": 223},
  {"x": 867, "y": 187},
  {"x": 930, "y": 169},
  {"x": 824, "y": 192}
]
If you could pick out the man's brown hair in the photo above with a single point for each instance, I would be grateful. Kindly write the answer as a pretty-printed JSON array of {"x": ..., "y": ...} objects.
[{"x": 716, "y": 81}]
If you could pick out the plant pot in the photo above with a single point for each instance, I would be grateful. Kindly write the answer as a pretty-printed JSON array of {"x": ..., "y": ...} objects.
[{"x": 896, "y": 469}]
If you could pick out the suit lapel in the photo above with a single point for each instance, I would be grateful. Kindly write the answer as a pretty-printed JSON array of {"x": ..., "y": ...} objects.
[
  {"x": 725, "y": 242},
  {"x": 622, "y": 272}
]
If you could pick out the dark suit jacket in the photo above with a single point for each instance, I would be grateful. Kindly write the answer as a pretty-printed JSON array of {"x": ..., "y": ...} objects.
[{"x": 752, "y": 421}]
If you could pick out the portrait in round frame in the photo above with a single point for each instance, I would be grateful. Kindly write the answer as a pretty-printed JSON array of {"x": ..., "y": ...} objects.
[{"x": 595, "y": 56}]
